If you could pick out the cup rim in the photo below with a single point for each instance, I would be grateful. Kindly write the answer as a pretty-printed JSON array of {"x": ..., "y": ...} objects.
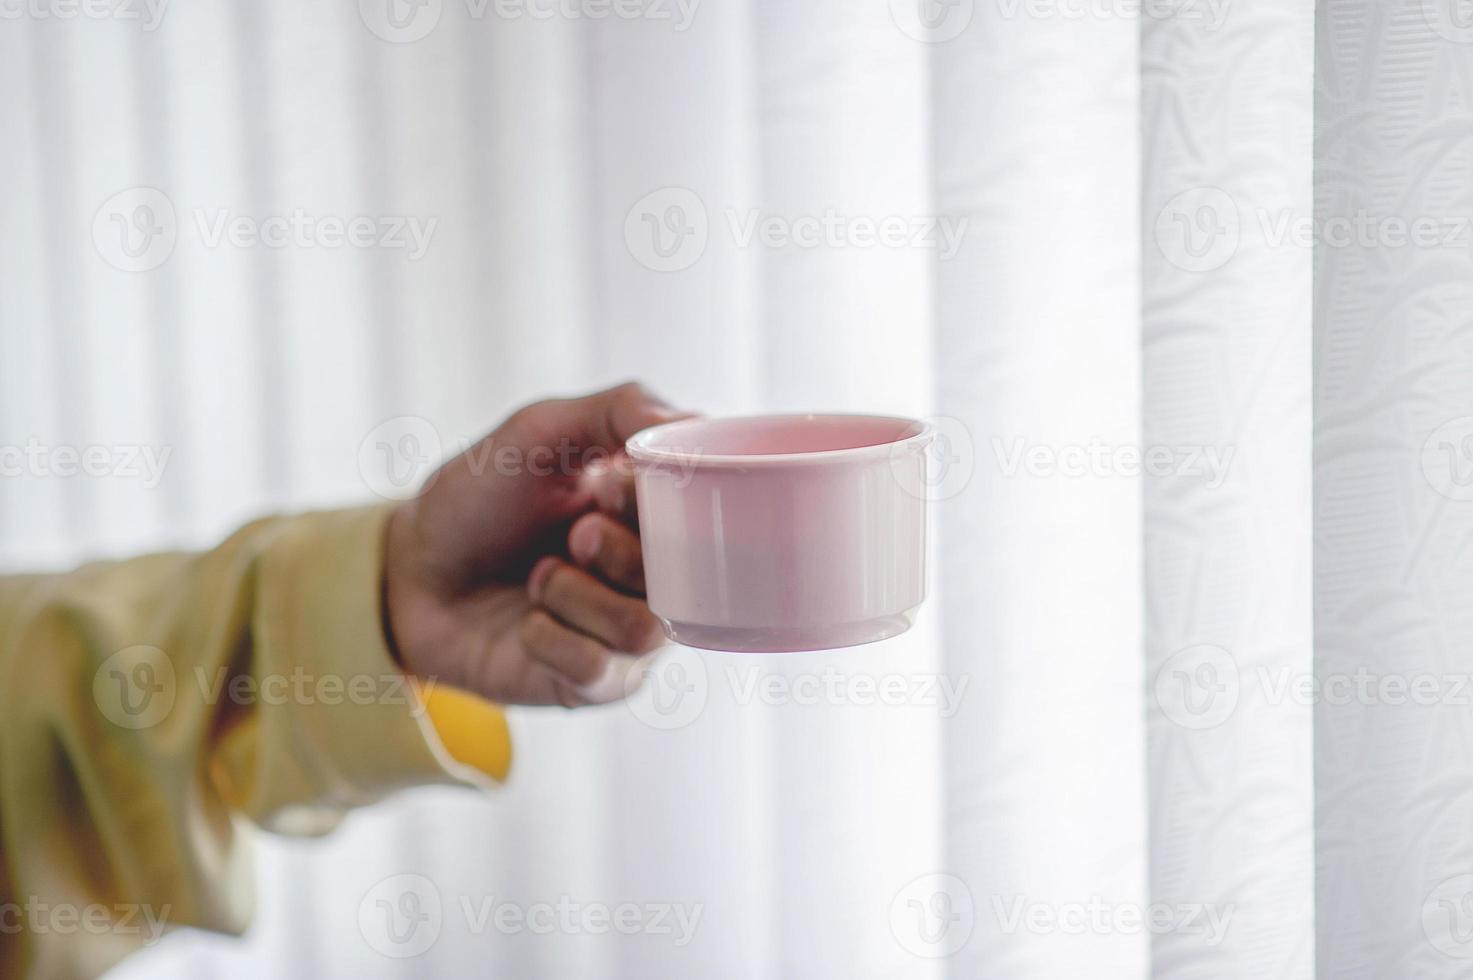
[{"x": 639, "y": 450}]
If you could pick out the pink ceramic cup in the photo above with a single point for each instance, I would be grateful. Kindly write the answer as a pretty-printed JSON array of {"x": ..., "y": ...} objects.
[{"x": 780, "y": 533}]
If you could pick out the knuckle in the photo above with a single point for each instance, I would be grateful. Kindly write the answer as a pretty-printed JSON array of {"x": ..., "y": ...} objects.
[
  {"x": 525, "y": 414},
  {"x": 534, "y": 627},
  {"x": 630, "y": 388},
  {"x": 615, "y": 562},
  {"x": 654, "y": 638},
  {"x": 620, "y": 557},
  {"x": 588, "y": 665},
  {"x": 555, "y": 585},
  {"x": 635, "y": 394},
  {"x": 566, "y": 696},
  {"x": 637, "y": 630},
  {"x": 632, "y": 570}
]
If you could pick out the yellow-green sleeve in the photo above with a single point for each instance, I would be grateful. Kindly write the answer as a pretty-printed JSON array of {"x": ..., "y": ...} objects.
[{"x": 151, "y": 710}]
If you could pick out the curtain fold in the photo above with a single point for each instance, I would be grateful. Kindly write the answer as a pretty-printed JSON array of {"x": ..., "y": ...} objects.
[
  {"x": 1226, "y": 326},
  {"x": 1038, "y": 341},
  {"x": 1393, "y": 488},
  {"x": 842, "y": 113}
]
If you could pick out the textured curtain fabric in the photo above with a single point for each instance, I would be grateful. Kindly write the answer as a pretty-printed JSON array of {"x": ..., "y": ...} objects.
[{"x": 1185, "y": 285}]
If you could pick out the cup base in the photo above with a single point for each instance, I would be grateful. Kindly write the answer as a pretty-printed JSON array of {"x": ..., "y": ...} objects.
[{"x": 787, "y": 639}]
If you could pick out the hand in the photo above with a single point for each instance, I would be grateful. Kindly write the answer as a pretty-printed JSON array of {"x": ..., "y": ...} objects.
[{"x": 516, "y": 573}]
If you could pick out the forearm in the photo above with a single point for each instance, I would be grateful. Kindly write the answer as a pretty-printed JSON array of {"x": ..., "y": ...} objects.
[{"x": 149, "y": 707}]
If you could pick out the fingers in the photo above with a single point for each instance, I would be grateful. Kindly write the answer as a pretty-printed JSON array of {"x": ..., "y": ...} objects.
[
  {"x": 604, "y": 419},
  {"x": 622, "y": 675},
  {"x": 607, "y": 548},
  {"x": 611, "y": 483},
  {"x": 562, "y": 666},
  {"x": 626, "y": 409},
  {"x": 579, "y": 622},
  {"x": 578, "y": 657},
  {"x": 579, "y": 600}
]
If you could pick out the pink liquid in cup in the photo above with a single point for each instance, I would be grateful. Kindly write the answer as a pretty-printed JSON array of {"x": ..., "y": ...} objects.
[{"x": 781, "y": 533}]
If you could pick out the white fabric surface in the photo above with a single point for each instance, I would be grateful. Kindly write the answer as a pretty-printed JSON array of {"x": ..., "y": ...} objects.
[{"x": 1129, "y": 734}]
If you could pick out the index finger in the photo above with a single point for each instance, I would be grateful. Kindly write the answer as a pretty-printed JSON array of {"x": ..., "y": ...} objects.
[{"x": 605, "y": 419}]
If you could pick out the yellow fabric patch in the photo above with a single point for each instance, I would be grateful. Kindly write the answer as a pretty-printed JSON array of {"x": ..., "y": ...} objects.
[{"x": 473, "y": 730}]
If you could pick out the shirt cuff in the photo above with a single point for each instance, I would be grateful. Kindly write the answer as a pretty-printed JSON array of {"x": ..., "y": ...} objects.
[
  {"x": 320, "y": 609},
  {"x": 472, "y": 730}
]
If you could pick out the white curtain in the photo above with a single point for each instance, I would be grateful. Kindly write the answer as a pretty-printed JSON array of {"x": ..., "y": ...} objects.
[{"x": 1207, "y": 461}]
